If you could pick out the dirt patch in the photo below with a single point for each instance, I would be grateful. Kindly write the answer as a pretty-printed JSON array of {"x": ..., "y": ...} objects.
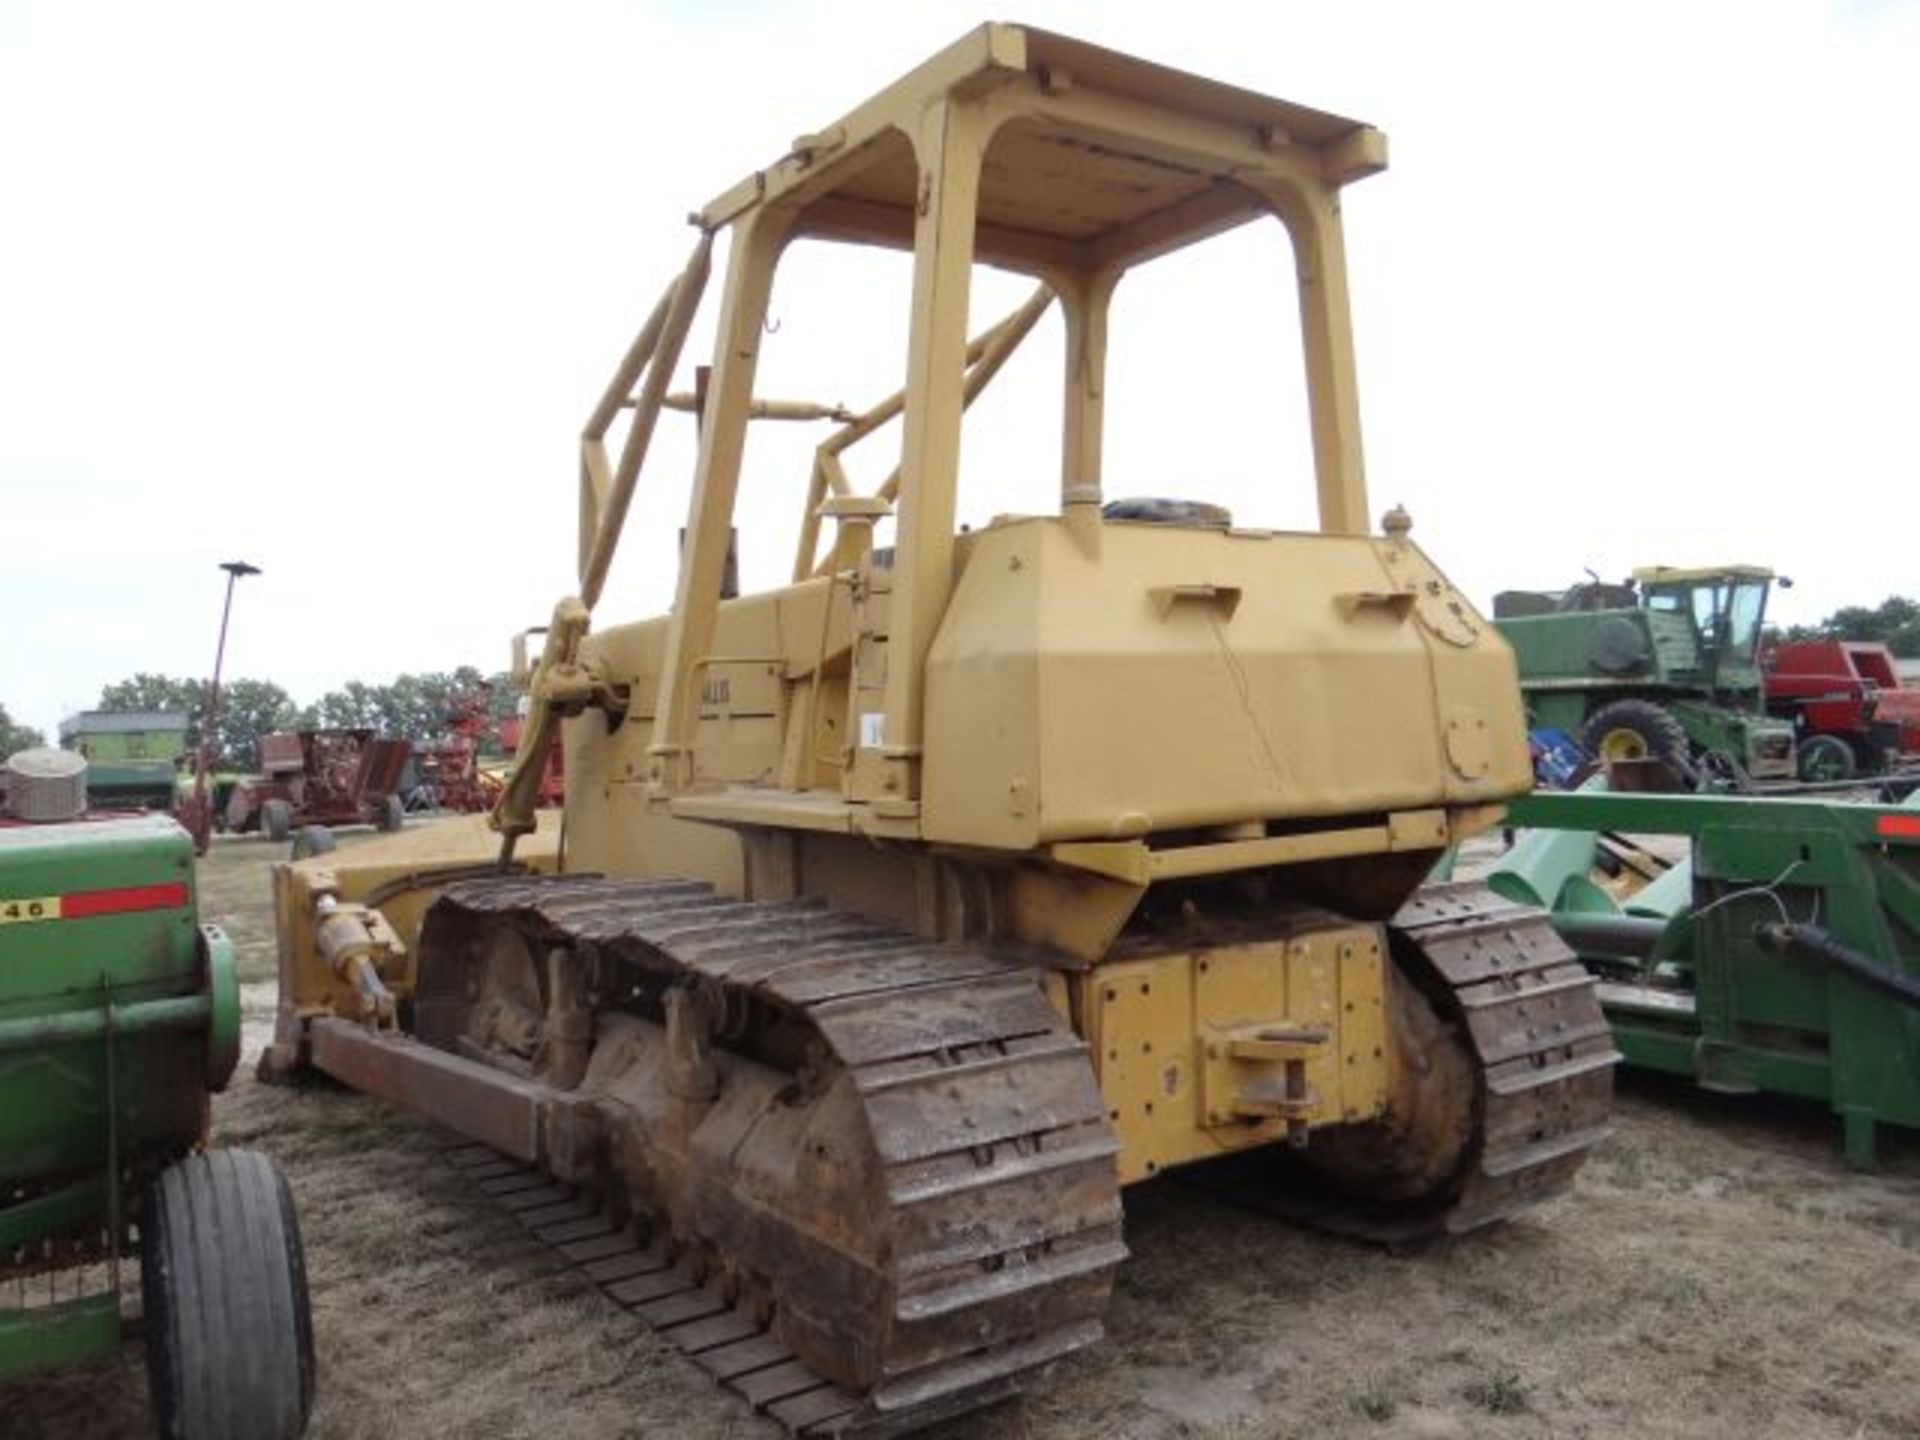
[
  {"x": 1712, "y": 1274},
  {"x": 236, "y": 895},
  {"x": 1716, "y": 1272}
]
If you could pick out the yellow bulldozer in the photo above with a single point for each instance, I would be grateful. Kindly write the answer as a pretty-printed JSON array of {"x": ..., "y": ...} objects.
[{"x": 899, "y": 917}]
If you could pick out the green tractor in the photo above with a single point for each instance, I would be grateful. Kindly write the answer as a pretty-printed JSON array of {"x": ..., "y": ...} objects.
[
  {"x": 119, "y": 1016},
  {"x": 1665, "y": 667}
]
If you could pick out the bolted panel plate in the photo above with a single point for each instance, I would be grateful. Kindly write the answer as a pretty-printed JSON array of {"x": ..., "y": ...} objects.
[{"x": 1192, "y": 1048}]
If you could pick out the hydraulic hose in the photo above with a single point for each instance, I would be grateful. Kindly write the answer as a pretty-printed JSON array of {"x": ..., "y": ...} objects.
[{"x": 1820, "y": 944}]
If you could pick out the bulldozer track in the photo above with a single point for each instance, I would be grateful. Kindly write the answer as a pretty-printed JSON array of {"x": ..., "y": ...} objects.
[
  {"x": 988, "y": 1120},
  {"x": 666, "y": 1292},
  {"x": 984, "y": 1112},
  {"x": 1544, "y": 1057},
  {"x": 1544, "y": 1048}
]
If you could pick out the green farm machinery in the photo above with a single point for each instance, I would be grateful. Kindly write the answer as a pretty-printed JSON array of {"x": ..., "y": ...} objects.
[
  {"x": 1773, "y": 946},
  {"x": 119, "y": 1016},
  {"x": 1663, "y": 668},
  {"x": 133, "y": 756}
]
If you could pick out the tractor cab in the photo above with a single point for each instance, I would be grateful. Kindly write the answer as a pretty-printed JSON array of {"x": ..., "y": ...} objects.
[
  {"x": 1665, "y": 667},
  {"x": 1721, "y": 610}
]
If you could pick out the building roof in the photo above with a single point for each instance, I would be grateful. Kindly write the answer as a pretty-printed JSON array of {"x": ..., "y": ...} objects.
[{"x": 122, "y": 722}]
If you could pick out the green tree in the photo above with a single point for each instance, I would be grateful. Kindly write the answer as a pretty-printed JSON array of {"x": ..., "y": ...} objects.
[
  {"x": 248, "y": 710},
  {"x": 414, "y": 706},
  {"x": 146, "y": 691},
  {"x": 15, "y": 738},
  {"x": 427, "y": 703},
  {"x": 1894, "y": 622},
  {"x": 352, "y": 707}
]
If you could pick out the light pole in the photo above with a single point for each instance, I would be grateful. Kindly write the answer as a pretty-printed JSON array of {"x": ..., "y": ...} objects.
[{"x": 200, "y": 819}]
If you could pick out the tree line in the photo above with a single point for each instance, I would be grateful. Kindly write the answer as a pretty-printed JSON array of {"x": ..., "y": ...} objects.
[
  {"x": 414, "y": 707},
  {"x": 1894, "y": 623},
  {"x": 14, "y": 737}
]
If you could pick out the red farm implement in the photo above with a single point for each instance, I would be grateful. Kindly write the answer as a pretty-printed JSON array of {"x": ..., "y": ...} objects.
[
  {"x": 447, "y": 773},
  {"x": 321, "y": 777},
  {"x": 1846, "y": 701}
]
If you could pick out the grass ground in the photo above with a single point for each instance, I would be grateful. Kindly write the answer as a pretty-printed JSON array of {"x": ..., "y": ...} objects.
[{"x": 1716, "y": 1272}]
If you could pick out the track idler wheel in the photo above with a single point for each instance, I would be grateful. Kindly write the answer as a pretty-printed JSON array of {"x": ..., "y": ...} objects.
[{"x": 1501, "y": 1078}]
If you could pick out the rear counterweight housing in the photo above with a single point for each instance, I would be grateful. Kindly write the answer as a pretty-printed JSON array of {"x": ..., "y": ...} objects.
[{"x": 1173, "y": 678}]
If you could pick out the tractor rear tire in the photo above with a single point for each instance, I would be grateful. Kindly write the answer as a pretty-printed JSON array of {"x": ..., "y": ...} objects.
[
  {"x": 391, "y": 815},
  {"x": 276, "y": 820},
  {"x": 1635, "y": 730},
  {"x": 224, "y": 1283},
  {"x": 1826, "y": 757}
]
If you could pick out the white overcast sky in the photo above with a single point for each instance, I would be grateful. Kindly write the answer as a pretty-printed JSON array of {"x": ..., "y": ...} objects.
[{"x": 331, "y": 289}]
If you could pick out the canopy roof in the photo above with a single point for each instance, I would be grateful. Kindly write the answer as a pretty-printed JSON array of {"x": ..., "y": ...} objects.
[
  {"x": 1150, "y": 144},
  {"x": 1683, "y": 574}
]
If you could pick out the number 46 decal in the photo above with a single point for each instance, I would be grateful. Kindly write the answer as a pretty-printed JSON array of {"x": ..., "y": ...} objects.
[
  {"x": 85, "y": 904},
  {"x": 16, "y": 912}
]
